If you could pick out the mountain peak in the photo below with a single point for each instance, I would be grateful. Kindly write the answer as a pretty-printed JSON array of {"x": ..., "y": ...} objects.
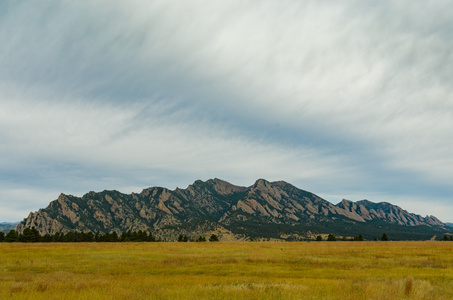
[
  {"x": 261, "y": 182},
  {"x": 266, "y": 208}
]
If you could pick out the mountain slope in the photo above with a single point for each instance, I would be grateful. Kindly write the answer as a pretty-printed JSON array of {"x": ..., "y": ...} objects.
[
  {"x": 265, "y": 209},
  {"x": 5, "y": 227}
]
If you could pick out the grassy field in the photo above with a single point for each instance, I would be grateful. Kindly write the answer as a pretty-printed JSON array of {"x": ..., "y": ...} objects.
[{"x": 227, "y": 270}]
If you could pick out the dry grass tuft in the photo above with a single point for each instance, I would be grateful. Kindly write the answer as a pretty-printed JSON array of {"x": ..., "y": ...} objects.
[
  {"x": 17, "y": 287},
  {"x": 409, "y": 285},
  {"x": 42, "y": 286}
]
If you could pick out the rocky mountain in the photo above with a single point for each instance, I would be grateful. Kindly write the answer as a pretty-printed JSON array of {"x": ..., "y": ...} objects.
[{"x": 265, "y": 209}]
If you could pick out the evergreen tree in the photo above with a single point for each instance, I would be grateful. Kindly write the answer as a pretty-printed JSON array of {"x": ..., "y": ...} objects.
[
  {"x": 358, "y": 238},
  {"x": 47, "y": 238},
  {"x": 319, "y": 238},
  {"x": 11, "y": 236},
  {"x": 30, "y": 235},
  {"x": 331, "y": 238},
  {"x": 214, "y": 238},
  {"x": 89, "y": 237},
  {"x": 69, "y": 237},
  {"x": 151, "y": 238},
  {"x": 2, "y": 236},
  {"x": 97, "y": 237},
  {"x": 384, "y": 237},
  {"x": 57, "y": 237},
  {"x": 26, "y": 236},
  {"x": 201, "y": 239},
  {"x": 114, "y": 237}
]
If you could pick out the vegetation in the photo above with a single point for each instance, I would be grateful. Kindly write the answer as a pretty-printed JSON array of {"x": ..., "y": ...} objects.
[
  {"x": 447, "y": 238},
  {"x": 227, "y": 270},
  {"x": 31, "y": 235},
  {"x": 331, "y": 238}
]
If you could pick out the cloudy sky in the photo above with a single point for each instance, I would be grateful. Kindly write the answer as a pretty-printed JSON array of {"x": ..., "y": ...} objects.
[{"x": 349, "y": 99}]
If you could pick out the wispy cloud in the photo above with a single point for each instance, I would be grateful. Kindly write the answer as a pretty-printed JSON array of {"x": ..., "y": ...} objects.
[{"x": 350, "y": 98}]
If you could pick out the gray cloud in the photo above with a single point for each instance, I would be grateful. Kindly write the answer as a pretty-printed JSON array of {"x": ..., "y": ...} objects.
[{"x": 349, "y": 99}]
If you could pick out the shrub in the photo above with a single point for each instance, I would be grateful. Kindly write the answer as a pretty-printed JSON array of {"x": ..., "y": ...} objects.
[
  {"x": 331, "y": 238},
  {"x": 214, "y": 238}
]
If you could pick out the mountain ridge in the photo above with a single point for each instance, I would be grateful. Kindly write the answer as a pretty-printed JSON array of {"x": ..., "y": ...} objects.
[{"x": 272, "y": 209}]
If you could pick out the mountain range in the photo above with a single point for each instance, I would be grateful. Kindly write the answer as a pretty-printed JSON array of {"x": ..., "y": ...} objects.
[
  {"x": 276, "y": 210},
  {"x": 5, "y": 227}
]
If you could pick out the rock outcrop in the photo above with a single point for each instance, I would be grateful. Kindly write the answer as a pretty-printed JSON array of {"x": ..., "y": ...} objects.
[{"x": 219, "y": 205}]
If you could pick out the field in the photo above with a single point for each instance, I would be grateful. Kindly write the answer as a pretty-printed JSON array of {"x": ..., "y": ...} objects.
[{"x": 227, "y": 270}]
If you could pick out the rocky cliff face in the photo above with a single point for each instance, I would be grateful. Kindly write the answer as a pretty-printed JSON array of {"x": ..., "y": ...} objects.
[
  {"x": 216, "y": 203},
  {"x": 366, "y": 211}
]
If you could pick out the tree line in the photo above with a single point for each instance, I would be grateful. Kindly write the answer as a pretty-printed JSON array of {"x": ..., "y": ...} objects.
[
  {"x": 32, "y": 235},
  {"x": 333, "y": 238}
]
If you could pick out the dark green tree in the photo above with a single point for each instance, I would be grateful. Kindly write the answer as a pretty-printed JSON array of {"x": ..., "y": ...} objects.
[
  {"x": 151, "y": 238},
  {"x": 384, "y": 237},
  {"x": 57, "y": 237},
  {"x": 319, "y": 238},
  {"x": 331, "y": 238},
  {"x": 114, "y": 237},
  {"x": 30, "y": 235},
  {"x": 11, "y": 236},
  {"x": 214, "y": 238},
  {"x": 89, "y": 237},
  {"x": 2, "y": 236},
  {"x": 47, "y": 238},
  {"x": 201, "y": 239},
  {"x": 69, "y": 237},
  {"x": 358, "y": 238},
  {"x": 97, "y": 236}
]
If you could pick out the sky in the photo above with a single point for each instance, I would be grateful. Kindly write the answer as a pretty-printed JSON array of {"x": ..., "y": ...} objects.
[{"x": 345, "y": 99}]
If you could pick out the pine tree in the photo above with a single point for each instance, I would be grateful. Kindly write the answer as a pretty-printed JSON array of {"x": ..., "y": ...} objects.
[
  {"x": 331, "y": 238},
  {"x": 11, "y": 236},
  {"x": 358, "y": 238},
  {"x": 384, "y": 237},
  {"x": 214, "y": 238}
]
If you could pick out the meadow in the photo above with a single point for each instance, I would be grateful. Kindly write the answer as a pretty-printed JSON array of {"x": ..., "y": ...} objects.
[{"x": 227, "y": 270}]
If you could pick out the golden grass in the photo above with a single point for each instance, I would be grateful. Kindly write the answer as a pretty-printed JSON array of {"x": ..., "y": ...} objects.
[{"x": 227, "y": 270}]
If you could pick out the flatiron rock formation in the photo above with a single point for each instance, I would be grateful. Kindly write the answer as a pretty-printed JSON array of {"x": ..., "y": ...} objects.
[{"x": 265, "y": 209}]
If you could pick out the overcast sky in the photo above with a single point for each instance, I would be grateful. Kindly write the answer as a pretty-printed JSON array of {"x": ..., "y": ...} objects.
[{"x": 345, "y": 99}]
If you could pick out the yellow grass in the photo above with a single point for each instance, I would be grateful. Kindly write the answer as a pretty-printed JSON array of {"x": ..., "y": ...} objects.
[{"x": 228, "y": 270}]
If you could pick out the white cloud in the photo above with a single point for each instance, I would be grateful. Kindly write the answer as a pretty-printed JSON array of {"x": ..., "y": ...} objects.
[{"x": 330, "y": 95}]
